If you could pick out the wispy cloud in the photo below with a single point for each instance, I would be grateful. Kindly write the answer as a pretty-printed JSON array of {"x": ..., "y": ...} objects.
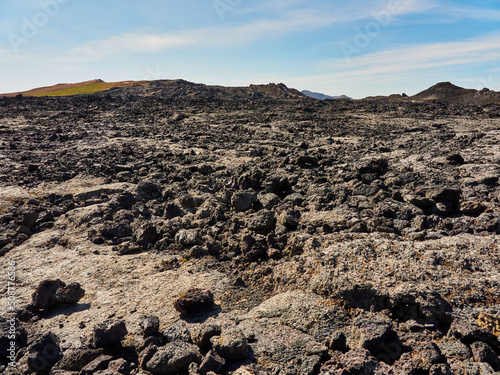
[
  {"x": 396, "y": 64},
  {"x": 270, "y": 6},
  {"x": 297, "y": 20},
  {"x": 217, "y": 36},
  {"x": 366, "y": 9},
  {"x": 475, "y": 50},
  {"x": 470, "y": 12}
]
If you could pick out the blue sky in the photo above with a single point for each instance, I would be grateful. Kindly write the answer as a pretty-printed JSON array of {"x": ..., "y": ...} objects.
[{"x": 357, "y": 48}]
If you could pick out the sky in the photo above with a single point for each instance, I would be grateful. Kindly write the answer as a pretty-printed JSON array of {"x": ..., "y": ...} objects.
[{"x": 357, "y": 48}]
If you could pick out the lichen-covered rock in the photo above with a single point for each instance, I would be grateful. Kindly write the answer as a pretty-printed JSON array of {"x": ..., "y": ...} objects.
[
  {"x": 231, "y": 344},
  {"x": 202, "y": 333},
  {"x": 173, "y": 358},
  {"x": 178, "y": 331}
]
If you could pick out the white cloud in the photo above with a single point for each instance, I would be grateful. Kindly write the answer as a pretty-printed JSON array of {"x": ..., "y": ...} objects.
[
  {"x": 299, "y": 19},
  {"x": 402, "y": 63},
  {"x": 218, "y": 36},
  {"x": 269, "y": 6},
  {"x": 432, "y": 55},
  {"x": 472, "y": 13}
]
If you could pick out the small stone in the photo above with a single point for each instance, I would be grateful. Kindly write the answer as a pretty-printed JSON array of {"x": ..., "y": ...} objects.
[
  {"x": 146, "y": 355},
  {"x": 482, "y": 352},
  {"x": 120, "y": 366},
  {"x": 29, "y": 219},
  {"x": 153, "y": 340},
  {"x": 202, "y": 333},
  {"x": 231, "y": 344},
  {"x": 269, "y": 200},
  {"x": 149, "y": 325},
  {"x": 43, "y": 353},
  {"x": 375, "y": 166},
  {"x": 76, "y": 359},
  {"x": 262, "y": 221},
  {"x": 177, "y": 332},
  {"x": 290, "y": 219},
  {"x": 242, "y": 201},
  {"x": 146, "y": 235},
  {"x": 355, "y": 361},
  {"x": 212, "y": 362},
  {"x": 366, "y": 190},
  {"x": 295, "y": 199},
  {"x": 278, "y": 184},
  {"x": 455, "y": 159},
  {"x": 119, "y": 230},
  {"x": 173, "y": 358},
  {"x": 108, "y": 334},
  {"x": 194, "y": 300},
  {"x": 472, "y": 208},
  {"x": 100, "y": 363},
  {"x": 187, "y": 237},
  {"x": 426, "y": 355}
]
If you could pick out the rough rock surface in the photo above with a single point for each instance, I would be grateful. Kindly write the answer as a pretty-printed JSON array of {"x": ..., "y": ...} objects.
[{"x": 262, "y": 236}]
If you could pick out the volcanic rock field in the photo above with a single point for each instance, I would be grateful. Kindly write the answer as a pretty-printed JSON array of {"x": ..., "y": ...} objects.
[{"x": 252, "y": 236}]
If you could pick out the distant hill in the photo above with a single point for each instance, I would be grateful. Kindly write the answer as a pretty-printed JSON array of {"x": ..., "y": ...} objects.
[
  {"x": 320, "y": 96},
  {"x": 448, "y": 92},
  {"x": 69, "y": 89},
  {"x": 163, "y": 88}
]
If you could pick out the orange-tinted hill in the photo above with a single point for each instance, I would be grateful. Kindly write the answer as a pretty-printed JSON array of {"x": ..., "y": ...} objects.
[{"x": 68, "y": 89}]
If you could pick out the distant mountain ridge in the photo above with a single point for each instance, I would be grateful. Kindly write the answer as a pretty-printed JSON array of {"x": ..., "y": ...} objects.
[
  {"x": 179, "y": 88},
  {"x": 163, "y": 88},
  {"x": 320, "y": 96}
]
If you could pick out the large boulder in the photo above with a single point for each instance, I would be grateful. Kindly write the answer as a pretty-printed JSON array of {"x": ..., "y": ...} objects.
[{"x": 51, "y": 293}]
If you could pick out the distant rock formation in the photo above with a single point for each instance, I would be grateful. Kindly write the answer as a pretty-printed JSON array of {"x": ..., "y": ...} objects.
[
  {"x": 448, "y": 92},
  {"x": 320, "y": 96},
  {"x": 183, "y": 89},
  {"x": 178, "y": 88}
]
